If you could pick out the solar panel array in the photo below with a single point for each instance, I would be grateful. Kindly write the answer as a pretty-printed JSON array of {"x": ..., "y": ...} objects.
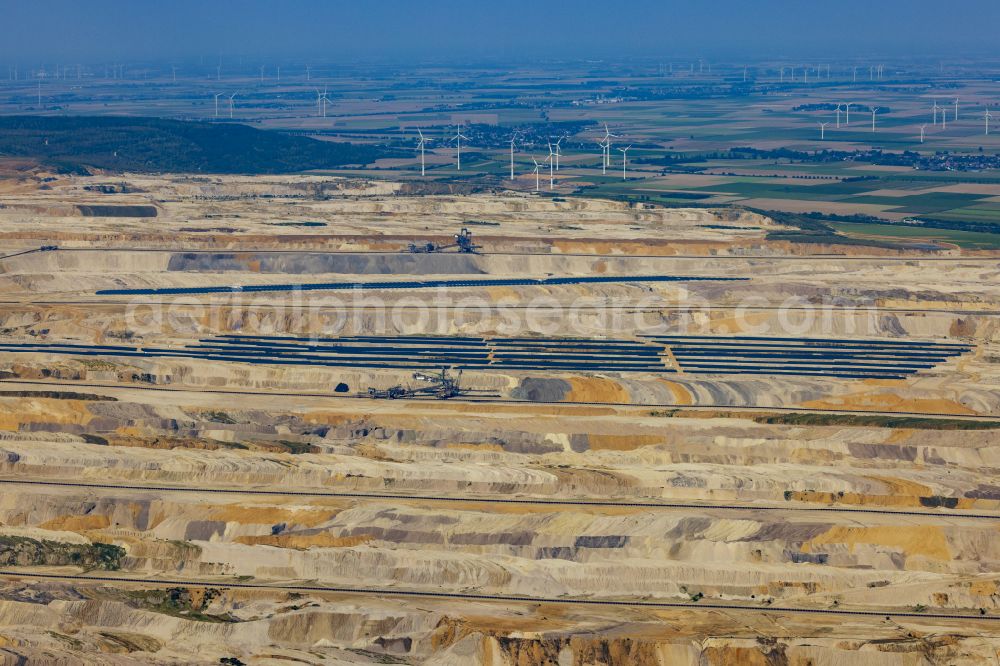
[
  {"x": 412, "y": 284},
  {"x": 818, "y": 357}
]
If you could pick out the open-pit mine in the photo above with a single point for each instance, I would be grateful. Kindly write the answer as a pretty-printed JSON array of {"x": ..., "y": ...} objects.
[{"x": 290, "y": 419}]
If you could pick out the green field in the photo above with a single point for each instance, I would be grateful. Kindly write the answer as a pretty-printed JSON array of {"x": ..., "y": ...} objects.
[{"x": 965, "y": 239}]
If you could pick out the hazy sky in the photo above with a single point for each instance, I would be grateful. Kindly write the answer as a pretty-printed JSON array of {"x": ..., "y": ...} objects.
[{"x": 94, "y": 30}]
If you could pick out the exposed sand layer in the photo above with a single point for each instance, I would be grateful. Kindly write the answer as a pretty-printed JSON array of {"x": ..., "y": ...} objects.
[{"x": 765, "y": 511}]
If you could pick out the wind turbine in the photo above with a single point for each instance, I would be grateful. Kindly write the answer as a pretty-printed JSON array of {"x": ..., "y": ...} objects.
[
  {"x": 231, "y": 104},
  {"x": 537, "y": 167},
  {"x": 874, "y": 109},
  {"x": 847, "y": 107},
  {"x": 321, "y": 101},
  {"x": 262, "y": 74},
  {"x": 603, "y": 143},
  {"x": 822, "y": 131},
  {"x": 624, "y": 152},
  {"x": 420, "y": 145},
  {"x": 956, "y": 110},
  {"x": 217, "y": 96},
  {"x": 307, "y": 72},
  {"x": 922, "y": 129},
  {"x": 607, "y": 147},
  {"x": 986, "y": 117},
  {"x": 944, "y": 117},
  {"x": 935, "y": 111},
  {"x": 855, "y": 75},
  {"x": 458, "y": 146},
  {"x": 558, "y": 150},
  {"x": 838, "y": 116},
  {"x": 550, "y": 159},
  {"x": 782, "y": 75},
  {"x": 513, "y": 139}
]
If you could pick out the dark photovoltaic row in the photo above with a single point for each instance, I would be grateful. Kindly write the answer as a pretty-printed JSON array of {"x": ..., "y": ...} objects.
[
  {"x": 820, "y": 357},
  {"x": 412, "y": 284}
]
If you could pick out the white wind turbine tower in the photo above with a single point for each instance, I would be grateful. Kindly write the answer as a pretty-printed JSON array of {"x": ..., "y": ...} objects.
[
  {"x": 551, "y": 160},
  {"x": 231, "y": 103},
  {"x": 607, "y": 146},
  {"x": 420, "y": 145},
  {"x": 855, "y": 75},
  {"x": 458, "y": 147},
  {"x": 822, "y": 131},
  {"x": 278, "y": 75},
  {"x": 558, "y": 152},
  {"x": 321, "y": 101},
  {"x": 537, "y": 168},
  {"x": 934, "y": 109},
  {"x": 624, "y": 152},
  {"x": 174, "y": 71},
  {"x": 838, "y": 116},
  {"x": 874, "y": 109},
  {"x": 986, "y": 117},
  {"x": 603, "y": 143},
  {"x": 847, "y": 108},
  {"x": 262, "y": 74},
  {"x": 513, "y": 139},
  {"x": 217, "y": 96},
  {"x": 923, "y": 128},
  {"x": 782, "y": 75},
  {"x": 307, "y": 72},
  {"x": 955, "y": 118},
  {"x": 944, "y": 117}
]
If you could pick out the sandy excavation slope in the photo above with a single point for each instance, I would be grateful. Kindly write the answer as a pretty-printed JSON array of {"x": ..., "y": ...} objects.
[{"x": 765, "y": 512}]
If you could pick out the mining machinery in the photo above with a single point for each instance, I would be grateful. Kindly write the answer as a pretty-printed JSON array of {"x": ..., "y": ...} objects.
[
  {"x": 463, "y": 243},
  {"x": 440, "y": 385}
]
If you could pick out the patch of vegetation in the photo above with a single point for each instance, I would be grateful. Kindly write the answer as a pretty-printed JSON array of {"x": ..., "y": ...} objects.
[
  {"x": 75, "y": 143},
  {"x": 58, "y": 395},
  {"x": 181, "y": 602},
  {"x": 94, "y": 439},
  {"x": 926, "y": 233},
  {"x": 97, "y": 364},
  {"x": 296, "y": 448},
  {"x": 876, "y": 421},
  {"x": 24, "y": 552},
  {"x": 219, "y": 417},
  {"x": 813, "y": 228}
]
